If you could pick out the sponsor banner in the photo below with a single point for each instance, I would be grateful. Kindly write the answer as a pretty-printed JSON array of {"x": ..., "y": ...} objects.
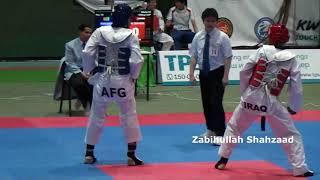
[
  {"x": 246, "y": 22},
  {"x": 307, "y": 23},
  {"x": 309, "y": 64},
  {"x": 175, "y": 65}
]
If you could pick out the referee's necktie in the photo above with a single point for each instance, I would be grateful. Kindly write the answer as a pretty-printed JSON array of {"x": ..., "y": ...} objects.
[
  {"x": 83, "y": 45},
  {"x": 205, "y": 62}
]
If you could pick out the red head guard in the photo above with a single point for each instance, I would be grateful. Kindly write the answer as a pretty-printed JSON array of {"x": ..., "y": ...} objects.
[{"x": 278, "y": 34}]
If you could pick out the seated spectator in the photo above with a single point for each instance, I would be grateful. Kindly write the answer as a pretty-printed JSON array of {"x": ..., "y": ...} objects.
[
  {"x": 159, "y": 35},
  {"x": 179, "y": 18},
  {"x": 73, "y": 71}
]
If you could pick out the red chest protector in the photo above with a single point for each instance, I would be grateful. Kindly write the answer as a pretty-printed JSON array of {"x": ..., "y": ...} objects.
[
  {"x": 281, "y": 79},
  {"x": 258, "y": 75},
  {"x": 258, "y": 72}
]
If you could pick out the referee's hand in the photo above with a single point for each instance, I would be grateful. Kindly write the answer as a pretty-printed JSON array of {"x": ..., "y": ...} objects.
[
  {"x": 225, "y": 81},
  {"x": 192, "y": 79}
]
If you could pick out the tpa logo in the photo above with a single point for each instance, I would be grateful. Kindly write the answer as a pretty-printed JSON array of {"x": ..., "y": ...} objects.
[
  {"x": 262, "y": 26},
  {"x": 183, "y": 61}
]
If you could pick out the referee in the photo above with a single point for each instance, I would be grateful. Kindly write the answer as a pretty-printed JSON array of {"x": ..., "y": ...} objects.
[{"x": 211, "y": 50}]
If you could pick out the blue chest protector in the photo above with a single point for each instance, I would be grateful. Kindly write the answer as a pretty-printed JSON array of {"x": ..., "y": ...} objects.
[{"x": 115, "y": 60}]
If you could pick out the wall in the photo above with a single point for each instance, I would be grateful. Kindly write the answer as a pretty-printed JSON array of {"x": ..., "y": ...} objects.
[
  {"x": 39, "y": 28},
  {"x": 164, "y": 6},
  {"x": 249, "y": 25}
]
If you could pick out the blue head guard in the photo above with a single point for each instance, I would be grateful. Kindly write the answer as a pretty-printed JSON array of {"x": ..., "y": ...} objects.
[{"x": 121, "y": 15}]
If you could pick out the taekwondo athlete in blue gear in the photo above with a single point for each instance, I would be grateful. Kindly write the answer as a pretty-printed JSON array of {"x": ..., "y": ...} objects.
[{"x": 114, "y": 53}]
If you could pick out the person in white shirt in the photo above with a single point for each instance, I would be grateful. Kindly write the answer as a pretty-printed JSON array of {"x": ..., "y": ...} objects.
[
  {"x": 179, "y": 18},
  {"x": 211, "y": 50}
]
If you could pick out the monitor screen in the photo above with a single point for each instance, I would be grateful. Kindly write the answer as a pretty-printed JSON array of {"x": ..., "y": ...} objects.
[
  {"x": 103, "y": 18},
  {"x": 145, "y": 17},
  {"x": 141, "y": 23}
]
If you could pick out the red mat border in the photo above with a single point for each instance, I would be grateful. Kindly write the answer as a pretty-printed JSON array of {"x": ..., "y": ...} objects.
[
  {"x": 249, "y": 170},
  {"x": 152, "y": 119}
]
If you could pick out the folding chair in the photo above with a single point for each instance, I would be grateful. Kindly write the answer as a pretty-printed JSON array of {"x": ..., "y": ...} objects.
[
  {"x": 63, "y": 90},
  {"x": 65, "y": 85}
]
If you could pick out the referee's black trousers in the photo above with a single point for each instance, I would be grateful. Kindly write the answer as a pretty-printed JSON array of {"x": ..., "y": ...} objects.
[{"x": 212, "y": 91}]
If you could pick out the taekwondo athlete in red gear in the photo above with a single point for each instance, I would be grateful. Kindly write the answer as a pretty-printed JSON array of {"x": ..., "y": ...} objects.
[
  {"x": 261, "y": 82},
  {"x": 119, "y": 62}
]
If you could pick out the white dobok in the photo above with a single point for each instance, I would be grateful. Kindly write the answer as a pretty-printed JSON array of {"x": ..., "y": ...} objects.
[
  {"x": 114, "y": 56},
  {"x": 261, "y": 82}
]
